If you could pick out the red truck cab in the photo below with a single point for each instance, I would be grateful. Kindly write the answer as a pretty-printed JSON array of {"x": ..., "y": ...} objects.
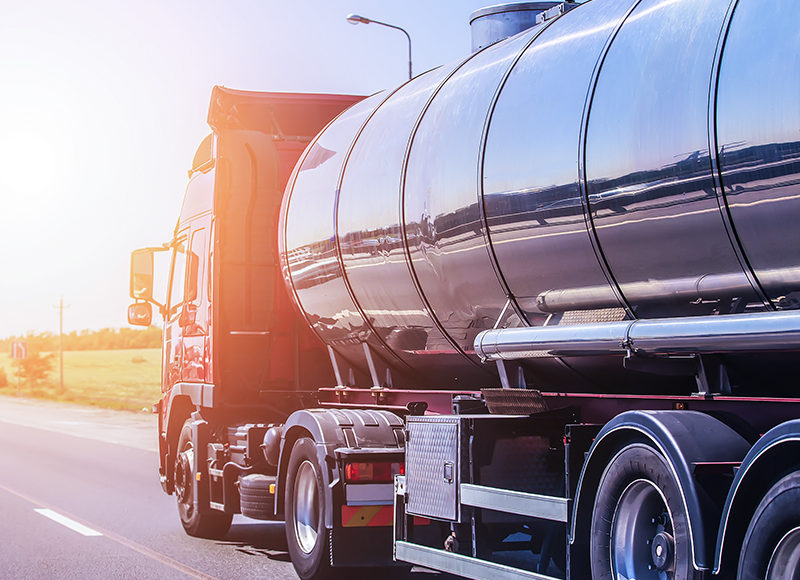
[{"x": 232, "y": 345}]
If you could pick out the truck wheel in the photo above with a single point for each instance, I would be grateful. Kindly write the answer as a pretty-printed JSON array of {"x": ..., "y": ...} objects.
[
  {"x": 639, "y": 526},
  {"x": 304, "y": 506},
  {"x": 771, "y": 547},
  {"x": 207, "y": 524}
]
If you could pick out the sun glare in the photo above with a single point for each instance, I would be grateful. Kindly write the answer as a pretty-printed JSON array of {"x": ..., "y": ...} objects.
[{"x": 33, "y": 163}]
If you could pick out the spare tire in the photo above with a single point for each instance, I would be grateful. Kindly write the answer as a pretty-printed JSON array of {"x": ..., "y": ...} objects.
[{"x": 255, "y": 498}]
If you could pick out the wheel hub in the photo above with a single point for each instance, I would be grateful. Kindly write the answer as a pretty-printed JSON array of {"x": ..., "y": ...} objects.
[
  {"x": 661, "y": 551},
  {"x": 641, "y": 544},
  {"x": 183, "y": 476},
  {"x": 306, "y": 507}
]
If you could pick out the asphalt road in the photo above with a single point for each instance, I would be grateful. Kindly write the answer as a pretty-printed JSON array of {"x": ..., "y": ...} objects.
[{"x": 80, "y": 498}]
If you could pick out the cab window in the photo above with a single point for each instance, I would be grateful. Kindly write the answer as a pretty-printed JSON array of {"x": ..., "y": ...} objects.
[
  {"x": 195, "y": 266},
  {"x": 178, "y": 272}
]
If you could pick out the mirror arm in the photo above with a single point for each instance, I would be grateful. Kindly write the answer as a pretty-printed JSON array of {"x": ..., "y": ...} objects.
[
  {"x": 162, "y": 248},
  {"x": 162, "y": 308}
]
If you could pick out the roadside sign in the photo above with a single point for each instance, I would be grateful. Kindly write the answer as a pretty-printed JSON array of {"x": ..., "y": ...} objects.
[{"x": 19, "y": 349}]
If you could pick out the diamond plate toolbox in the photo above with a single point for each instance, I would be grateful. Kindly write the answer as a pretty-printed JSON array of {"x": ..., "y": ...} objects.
[{"x": 433, "y": 466}]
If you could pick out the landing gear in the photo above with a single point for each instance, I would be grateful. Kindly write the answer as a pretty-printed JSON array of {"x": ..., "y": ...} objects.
[
  {"x": 639, "y": 525},
  {"x": 203, "y": 524}
]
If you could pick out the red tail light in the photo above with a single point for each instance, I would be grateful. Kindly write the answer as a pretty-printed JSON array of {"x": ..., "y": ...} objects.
[{"x": 378, "y": 472}]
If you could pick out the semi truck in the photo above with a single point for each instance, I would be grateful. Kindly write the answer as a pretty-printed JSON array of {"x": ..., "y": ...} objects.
[{"x": 533, "y": 314}]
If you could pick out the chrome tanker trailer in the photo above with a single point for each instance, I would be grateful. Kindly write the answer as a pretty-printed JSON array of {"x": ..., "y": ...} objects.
[{"x": 553, "y": 295}]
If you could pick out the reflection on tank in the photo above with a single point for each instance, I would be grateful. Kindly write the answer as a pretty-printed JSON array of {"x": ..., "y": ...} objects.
[
  {"x": 760, "y": 164},
  {"x": 522, "y": 211},
  {"x": 670, "y": 184},
  {"x": 520, "y": 208},
  {"x": 313, "y": 264},
  {"x": 721, "y": 293},
  {"x": 375, "y": 243}
]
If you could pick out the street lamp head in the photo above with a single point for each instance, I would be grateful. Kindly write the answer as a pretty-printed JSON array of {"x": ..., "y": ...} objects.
[{"x": 356, "y": 19}]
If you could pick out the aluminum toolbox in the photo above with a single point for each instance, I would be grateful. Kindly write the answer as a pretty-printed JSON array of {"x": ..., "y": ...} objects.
[{"x": 432, "y": 456}]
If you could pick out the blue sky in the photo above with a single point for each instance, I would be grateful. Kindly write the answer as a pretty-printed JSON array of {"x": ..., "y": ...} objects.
[{"x": 104, "y": 103}]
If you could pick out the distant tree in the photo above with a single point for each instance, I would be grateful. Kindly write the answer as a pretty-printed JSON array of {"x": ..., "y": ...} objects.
[
  {"x": 3, "y": 379},
  {"x": 36, "y": 367},
  {"x": 103, "y": 339}
]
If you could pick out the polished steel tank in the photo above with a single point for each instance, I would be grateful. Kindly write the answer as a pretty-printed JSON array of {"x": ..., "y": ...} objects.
[{"x": 623, "y": 160}]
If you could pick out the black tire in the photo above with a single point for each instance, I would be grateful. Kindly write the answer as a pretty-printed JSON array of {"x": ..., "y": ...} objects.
[
  {"x": 255, "y": 499},
  {"x": 639, "y": 526},
  {"x": 202, "y": 524},
  {"x": 304, "y": 508},
  {"x": 771, "y": 547}
]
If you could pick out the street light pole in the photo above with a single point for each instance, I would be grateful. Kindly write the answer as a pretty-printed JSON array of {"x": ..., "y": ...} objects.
[{"x": 356, "y": 19}]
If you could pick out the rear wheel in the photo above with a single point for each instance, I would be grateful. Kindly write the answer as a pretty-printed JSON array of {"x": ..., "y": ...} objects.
[
  {"x": 771, "y": 547},
  {"x": 203, "y": 524},
  {"x": 307, "y": 538},
  {"x": 639, "y": 525},
  {"x": 304, "y": 507}
]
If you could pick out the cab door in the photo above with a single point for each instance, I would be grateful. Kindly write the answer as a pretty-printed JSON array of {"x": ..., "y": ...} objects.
[{"x": 193, "y": 320}]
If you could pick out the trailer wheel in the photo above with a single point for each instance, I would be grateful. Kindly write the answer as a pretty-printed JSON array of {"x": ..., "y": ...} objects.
[
  {"x": 639, "y": 525},
  {"x": 771, "y": 547},
  {"x": 304, "y": 506},
  {"x": 205, "y": 524}
]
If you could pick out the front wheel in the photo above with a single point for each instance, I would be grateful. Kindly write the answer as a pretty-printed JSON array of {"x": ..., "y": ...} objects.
[
  {"x": 771, "y": 547},
  {"x": 639, "y": 525},
  {"x": 202, "y": 524}
]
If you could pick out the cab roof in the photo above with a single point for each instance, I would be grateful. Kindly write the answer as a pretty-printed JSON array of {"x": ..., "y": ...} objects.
[{"x": 284, "y": 115}]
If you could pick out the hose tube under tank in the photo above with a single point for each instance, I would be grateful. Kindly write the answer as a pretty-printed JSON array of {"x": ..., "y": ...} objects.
[{"x": 735, "y": 333}]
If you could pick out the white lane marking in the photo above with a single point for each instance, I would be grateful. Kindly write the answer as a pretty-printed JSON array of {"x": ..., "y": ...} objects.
[{"x": 65, "y": 521}]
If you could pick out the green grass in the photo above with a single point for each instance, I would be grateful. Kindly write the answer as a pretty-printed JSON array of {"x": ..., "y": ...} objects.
[{"x": 114, "y": 379}]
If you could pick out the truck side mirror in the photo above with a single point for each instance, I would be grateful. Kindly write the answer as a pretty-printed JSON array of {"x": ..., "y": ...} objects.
[
  {"x": 140, "y": 314},
  {"x": 142, "y": 275}
]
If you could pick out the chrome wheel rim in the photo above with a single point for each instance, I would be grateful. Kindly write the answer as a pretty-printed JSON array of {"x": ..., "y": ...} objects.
[
  {"x": 642, "y": 544},
  {"x": 784, "y": 564},
  {"x": 306, "y": 507}
]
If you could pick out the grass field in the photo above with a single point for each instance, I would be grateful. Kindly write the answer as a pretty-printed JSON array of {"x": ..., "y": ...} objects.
[{"x": 115, "y": 379}]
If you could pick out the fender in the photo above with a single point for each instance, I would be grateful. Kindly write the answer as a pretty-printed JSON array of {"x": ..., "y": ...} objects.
[
  {"x": 201, "y": 394},
  {"x": 775, "y": 453},
  {"x": 683, "y": 438},
  {"x": 331, "y": 429},
  {"x": 182, "y": 396},
  {"x": 180, "y": 401}
]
